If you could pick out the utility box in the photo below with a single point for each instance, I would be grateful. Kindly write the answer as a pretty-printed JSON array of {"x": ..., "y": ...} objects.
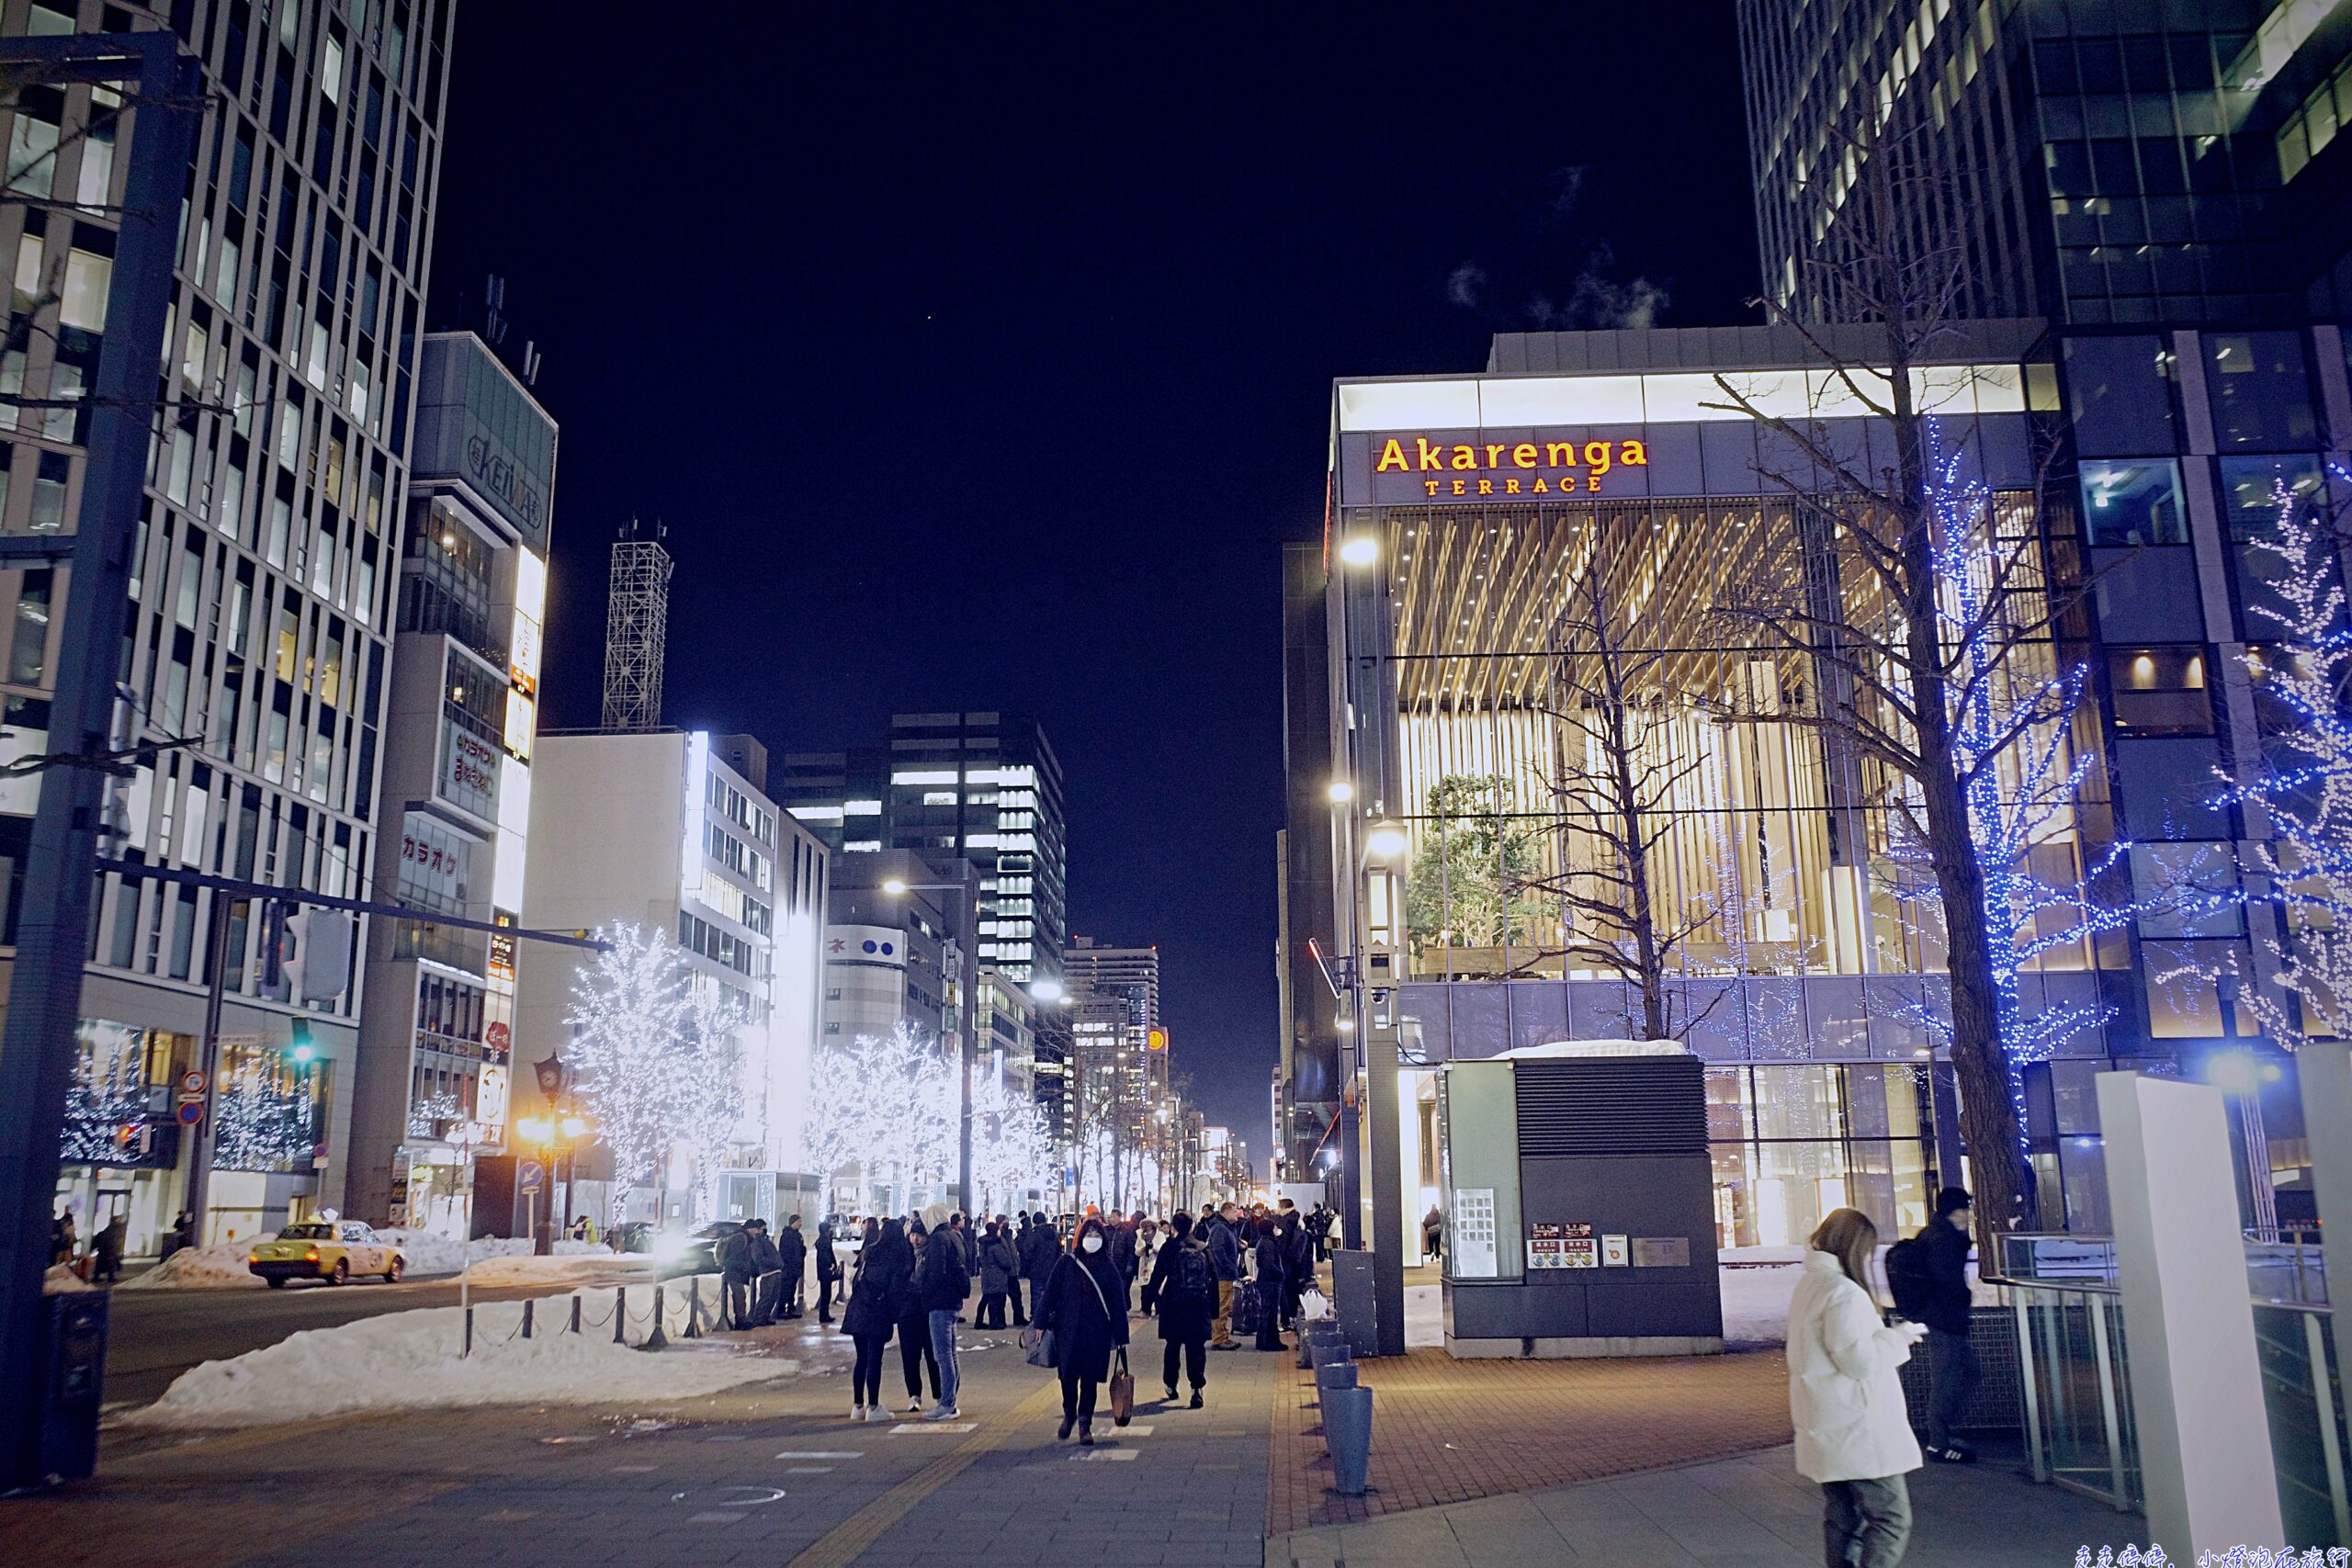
[
  {"x": 1580, "y": 1203},
  {"x": 72, "y": 1383}
]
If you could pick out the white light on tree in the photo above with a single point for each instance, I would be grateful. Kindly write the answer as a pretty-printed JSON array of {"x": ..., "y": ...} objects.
[
  {"x": 1011, "y": 1151},
  {"x": 633, "y": 1049},
  {"x": 884, "y": 1105},
  {"x": 711, "y": 1088},
  {"x": 109, "y": 1093}
]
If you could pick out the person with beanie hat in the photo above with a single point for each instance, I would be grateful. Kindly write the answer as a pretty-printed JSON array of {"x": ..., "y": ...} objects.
[{"x": 1949, "y": 1312}]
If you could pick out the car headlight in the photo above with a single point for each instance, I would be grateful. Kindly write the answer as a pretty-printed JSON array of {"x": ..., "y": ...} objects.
[{"x": 669, "y": 1247}]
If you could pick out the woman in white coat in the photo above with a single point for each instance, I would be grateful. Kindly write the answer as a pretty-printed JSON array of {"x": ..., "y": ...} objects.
[{"x": 1853, "y": 1432}]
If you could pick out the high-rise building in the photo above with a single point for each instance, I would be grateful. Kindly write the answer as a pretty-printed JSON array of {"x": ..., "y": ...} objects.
[
  {"x": 984, "y": 787},
  {"x": 2096, "y": 161},
  {"x": 897, "y": 947},
  {"x": 654, "y": 827},
  {"x": 259, "y": 641},
  {"x": 436, "y": 1038},
  {"x": 1090, "y": 967}
]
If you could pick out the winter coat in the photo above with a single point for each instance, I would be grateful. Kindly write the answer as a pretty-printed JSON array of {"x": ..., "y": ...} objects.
[
  {"x": 829, "y": 1266},
  {"x": 1040, "y": 1247},
  {"x": 942, "y": 1280},
  {"x": 878, "y": 1279},
  {"x": 1272, "y": 1269},
  {"x": 792, "y": 1249},
  {"x": 1122, "y": 1250},
  {"x": 1225, "y": 1249},
  {"x": 1087, "y": 1327},
  {"x": 1948, "y": 1308},
  {"x": 1845, "y": 1399},
  {"x": 762, "y": 1255},
  {"x": 733, "y": 1255},
  {"x": 998, "y": 1264},
  {"x": 1182, "y": 1318}
]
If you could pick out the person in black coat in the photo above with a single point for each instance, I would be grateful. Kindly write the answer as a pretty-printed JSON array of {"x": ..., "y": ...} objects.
[
  {"x": 1183, "y": 1282},
  {"x": 792, "y": 1251},
  {"x": 828, "y": 1272},
  {"x": 1949, "y": 1314},
  {"x": 914, "y": 1321},
  {"x": 884, "y": 1272},
  {"x": 1040, "y": 1246},
  {"x": 1270, "y": 1283},
  {"x": 1083, "y": 1307}
]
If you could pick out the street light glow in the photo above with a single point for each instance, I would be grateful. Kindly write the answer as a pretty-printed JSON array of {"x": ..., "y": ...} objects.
[
  {"x": 1386, "y": 842},
  {"x": 1341, "y": 792},
  {"x": 894, "y": 886},
  {"x": 1362, "y": 549},
  {"x": 1047, "y": 990}
]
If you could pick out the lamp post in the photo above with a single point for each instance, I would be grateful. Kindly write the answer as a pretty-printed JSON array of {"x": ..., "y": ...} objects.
[{"x": 896, "y": 888}]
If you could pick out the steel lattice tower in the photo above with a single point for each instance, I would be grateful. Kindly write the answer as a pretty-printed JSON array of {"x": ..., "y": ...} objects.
[{"x": 636, "y": 622}]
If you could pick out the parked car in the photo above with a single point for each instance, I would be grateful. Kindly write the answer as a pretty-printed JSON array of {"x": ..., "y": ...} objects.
[
  {"x": 695, "y": 1251},
  {"x": 332, "y": 1250}
]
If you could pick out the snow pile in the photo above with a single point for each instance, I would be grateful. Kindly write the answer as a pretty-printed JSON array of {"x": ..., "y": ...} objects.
[
  {"x": 597, "y": 1263},
  {"x": 62, "y": 1281},
  {"x": 408, "y": 1360},
  {"x": 434, "y": 1252},
  {"x": 224, "y": 1263}
]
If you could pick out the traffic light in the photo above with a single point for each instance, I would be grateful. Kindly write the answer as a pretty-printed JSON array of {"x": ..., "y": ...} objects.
[
  {"x": 305, "y": 956},
  {"x": 273, "y": 950}
]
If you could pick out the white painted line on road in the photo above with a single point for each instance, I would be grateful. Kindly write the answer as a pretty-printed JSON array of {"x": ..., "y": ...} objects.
[
  {"x": 714, "y": 1517},
  {"x": 634, "y": 1469},
  {"x": 1107, "y": 1455},
  {"x": 903, "y": 1427},
  {"x": 820, "y": 1453},
  {"x": 728, "y": 1438},
  {"x": 809, "y": 1470},
  {"x": 1142, "y": 1429}
]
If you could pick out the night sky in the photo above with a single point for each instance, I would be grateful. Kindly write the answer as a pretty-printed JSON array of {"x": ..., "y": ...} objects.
[{"x": 976, "y": 368}]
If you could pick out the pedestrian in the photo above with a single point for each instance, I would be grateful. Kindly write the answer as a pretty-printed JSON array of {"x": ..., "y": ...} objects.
[
  {"x": 579, "y": 1231},
  {"x": 1120, "y": 1235},
  {"x": 1319, "y": 1225},
  {"x": 1012, "y": 1286},
  {"x": 1041, "y": 1246},
  {"x": 105, "y": 1252},
  {"x": 828, "y": 1271},
  {"x": 1184, "y": 1284},
  {"x": 792, "y": 1250},
  {"x": 767, "y": 1272},
  {"x": 913, "y": 1321},
  {"x": 1000, "y": 1266},
  {"x": 1298, "y": 1261},
  {"x": 1147, "y": 1238},
  {"x": 1272, "y": 1274},
  {"x": 62, "y": 1238},
  {"x": 1853, "y": 1435},
  {"x": 1948, "y": 1312},
  {"x": 1433, "y": 1232},
  {"x": 884, "y": 1269},
  {"x": 942, "y": 1281},
  {"x": 1075, "y": 1308},
  {"x": 182, "y": 1234},
  {"x": 733, "y": 1255},
  {"x": 1225, "y": 1261}
]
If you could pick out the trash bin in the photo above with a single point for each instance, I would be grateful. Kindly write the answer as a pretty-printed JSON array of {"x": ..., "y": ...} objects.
[
  {"x": 73, "y": 1384},
  {"x": 1347, "y": 1428},
  {"x": 1335, "y": 1375}
]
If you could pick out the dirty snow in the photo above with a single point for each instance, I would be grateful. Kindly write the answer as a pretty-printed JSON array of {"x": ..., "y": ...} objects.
[
  {"x": 599, "y": 1263},
  {"x": 220, "y": 1264},
  {"x": 62, "y": 1281},
  {"x": 426, "y": 1253},
  {"x": 408, "y": 1360}
]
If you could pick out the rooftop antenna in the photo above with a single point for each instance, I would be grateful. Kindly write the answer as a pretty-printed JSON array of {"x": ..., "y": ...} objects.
[
  {"x": 494, "y": 303},
  {"x": 637, "y": 623},
  {"x": 531, "y": 363}
]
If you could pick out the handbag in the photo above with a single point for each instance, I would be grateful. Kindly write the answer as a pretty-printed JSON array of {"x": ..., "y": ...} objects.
[
  {"x": 1122, "y": 1392},
  {"x": 1039, "y": 1343}
]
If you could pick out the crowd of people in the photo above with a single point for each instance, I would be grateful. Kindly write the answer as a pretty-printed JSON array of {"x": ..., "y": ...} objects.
[{"x": 1074, "y": 1286}]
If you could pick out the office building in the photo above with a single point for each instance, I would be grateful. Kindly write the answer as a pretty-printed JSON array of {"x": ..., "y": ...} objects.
[
  {"x": 899, "y": 956},
  {"x": 653, "y": 828},
  {"x": 983, "y": 787},
  {"x": 1090, "y": 967},
  {"x": 260, "y": 638},
  {"x": 437, "y": 1038}
]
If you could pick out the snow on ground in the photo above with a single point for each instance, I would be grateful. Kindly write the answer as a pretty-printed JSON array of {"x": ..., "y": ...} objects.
[
  {"x": 222, "y": 1264},
  {"x": 598, "y": 1263},
  {"x": 433, "y": 1252},
  {"x": 408, "y": 1360},
  {"x": 426, "y": 1252},
  {"x": 62, "y": 1281}
]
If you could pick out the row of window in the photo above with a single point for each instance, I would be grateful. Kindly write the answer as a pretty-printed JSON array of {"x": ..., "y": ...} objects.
[{"x": 719, "y": 945}]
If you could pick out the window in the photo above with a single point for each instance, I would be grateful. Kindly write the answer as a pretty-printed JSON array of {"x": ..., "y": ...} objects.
[
  {"x": 2134, "y": 503},
  {"x": 2123, "y": 392},
  {"x": 2160, "y": 691},
  {"x": 28, "y": 647},
  {"x": 2260, "y": 392}
]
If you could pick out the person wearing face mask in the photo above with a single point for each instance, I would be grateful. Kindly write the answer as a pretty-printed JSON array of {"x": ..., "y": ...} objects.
[{"x": 1075, "y": 1306}]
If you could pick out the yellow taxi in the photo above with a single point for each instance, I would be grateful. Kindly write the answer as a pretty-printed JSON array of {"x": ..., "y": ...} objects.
[{"x": 332, "y": 1250}]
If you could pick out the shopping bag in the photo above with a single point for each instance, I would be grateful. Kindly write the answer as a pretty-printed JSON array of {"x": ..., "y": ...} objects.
[
  {"x": 1248, "y": 1307},
  {"x": 1123, "y": 1393},
  {"x": 1312, "y": 1304},
  {"x": 1039, "y": 1343}
]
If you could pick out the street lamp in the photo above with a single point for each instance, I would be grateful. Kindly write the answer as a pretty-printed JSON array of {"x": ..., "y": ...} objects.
[
  {"x": 895, "y": 886},
  {"x": 1360, "y": 550},
  {"x": 1341, "y": 792},
  {"x": 1385, "y": 841}
]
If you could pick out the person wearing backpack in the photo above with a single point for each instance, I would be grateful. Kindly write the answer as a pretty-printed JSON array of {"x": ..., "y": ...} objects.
[
  {"x": 1944, "y": 1304},
  {"x": 1183, "y": 1281}
]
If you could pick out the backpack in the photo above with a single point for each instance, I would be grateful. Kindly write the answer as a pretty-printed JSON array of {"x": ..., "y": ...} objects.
[
  {"x": 1193, "y": 1275},
  {"x": 1908, "y": 1278}
]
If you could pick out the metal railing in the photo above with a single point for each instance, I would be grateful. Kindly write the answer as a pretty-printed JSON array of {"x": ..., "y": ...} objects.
[{"x": 2075, "y": 1366}]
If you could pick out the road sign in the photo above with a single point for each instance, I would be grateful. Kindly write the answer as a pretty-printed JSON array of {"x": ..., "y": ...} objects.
[
  {"x": 529, "y": 1176},
  {"x": 191, "y": 1085},
  {"x": 191, "y": 1111}
]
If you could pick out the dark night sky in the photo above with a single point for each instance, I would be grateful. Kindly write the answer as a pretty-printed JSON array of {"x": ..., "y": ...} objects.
[{"x": 987, "y": 369}]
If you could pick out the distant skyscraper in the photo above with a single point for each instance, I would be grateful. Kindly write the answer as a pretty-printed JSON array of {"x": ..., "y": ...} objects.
[
  {"x": 984, "y": 787},
  {"x": 637, "y": 626}
]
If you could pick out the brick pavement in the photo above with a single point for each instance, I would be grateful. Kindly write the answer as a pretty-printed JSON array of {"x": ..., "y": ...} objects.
[{"x": 1447, "y": 1431}]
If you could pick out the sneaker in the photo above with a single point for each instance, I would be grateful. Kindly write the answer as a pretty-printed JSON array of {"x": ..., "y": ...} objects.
[
  {"x": 857, "y": 1412},
  {"x": 1951, "y": 1453},
  {"x": 877, "y": 1414},
  {"x": 945, "y": 1413},
  {"x": 1196, "y": 1399},
  {"x": 914, "y": 1406},
  {"x": 1172, "y": 1393}
]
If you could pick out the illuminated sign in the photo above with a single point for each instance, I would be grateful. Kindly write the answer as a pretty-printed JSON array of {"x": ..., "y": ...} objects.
[
  {"x": 1158, "y": 1039},
  {"x": 1446, "y": 467}
]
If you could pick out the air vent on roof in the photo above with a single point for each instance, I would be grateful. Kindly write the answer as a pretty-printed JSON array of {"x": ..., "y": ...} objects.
[{"x": 1643, "y": 1105}]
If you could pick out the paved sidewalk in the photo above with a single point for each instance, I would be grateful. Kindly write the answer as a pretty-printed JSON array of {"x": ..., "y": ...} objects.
[{"x": 1750, "y": 1512}]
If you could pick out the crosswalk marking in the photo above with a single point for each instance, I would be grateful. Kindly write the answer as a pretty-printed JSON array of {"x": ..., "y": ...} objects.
[
  {"x": 1105, "y": 1455},
  {"x": 903, "y": 1427},
  {"x": 820, "y": 1453}
]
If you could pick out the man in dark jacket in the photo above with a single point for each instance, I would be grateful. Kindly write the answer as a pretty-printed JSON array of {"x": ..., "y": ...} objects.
[
  {"x": 733, "y": 1255},
  {"x": 792, "y": 1251},
  {"x": 828, "y": 1272},
  {"x": 943, "y": 1278},
  {"x": 1040, "y": 1245},
  {"x": 1225, "y": 1260},
  {"x": 1948, "y": 1314},
  {"x": 766, "y": 1265}
]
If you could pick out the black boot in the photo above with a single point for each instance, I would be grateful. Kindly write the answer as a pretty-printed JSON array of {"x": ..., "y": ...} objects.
[{"x": 1061, "y": 1434}]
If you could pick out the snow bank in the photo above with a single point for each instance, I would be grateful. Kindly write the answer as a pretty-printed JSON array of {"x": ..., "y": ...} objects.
[
  {"x": 432, "y": 1252},
  {"x": 598, "y": 1263},
  {"x": 408, "y": 1360},
  {"x": 61, "y": 1280},
  {"x": 222, "y": 1264}
]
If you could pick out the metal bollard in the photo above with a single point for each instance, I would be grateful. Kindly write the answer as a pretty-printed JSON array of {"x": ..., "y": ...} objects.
[
  {"x": 620, "y": 1314},
  {"x": 658, "y": 1339},
  {"x": 694, "y": 1307},
  {"x": 527, "y": 1318},
  {"x": 467, "y": 1348},
  {"x": 1347, "y": 1424}
]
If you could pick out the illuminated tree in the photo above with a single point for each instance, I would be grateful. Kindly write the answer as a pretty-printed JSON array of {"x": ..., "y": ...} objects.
[
  {"x": 109, "y": 1093},
  {"x": 710, "y": 1086},
  {"x": 267, "y": 1119},
  {"x": 887, "y": 1105},
  {"x": 633, "y": 1032}
]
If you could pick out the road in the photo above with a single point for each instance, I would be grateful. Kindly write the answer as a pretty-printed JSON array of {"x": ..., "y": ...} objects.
[{"x": 155, "y": 1335}]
